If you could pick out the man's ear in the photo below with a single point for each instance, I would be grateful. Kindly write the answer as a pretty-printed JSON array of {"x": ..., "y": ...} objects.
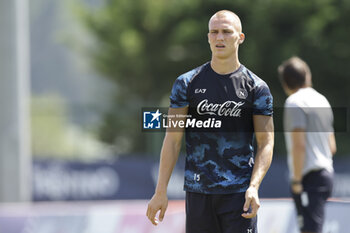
[
  {"x": 241, "y": 38},
  {"x": 208, "y": 37}
]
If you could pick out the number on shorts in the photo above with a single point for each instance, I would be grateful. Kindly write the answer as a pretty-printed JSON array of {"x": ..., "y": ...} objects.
[{"x": 197, "y": 177}]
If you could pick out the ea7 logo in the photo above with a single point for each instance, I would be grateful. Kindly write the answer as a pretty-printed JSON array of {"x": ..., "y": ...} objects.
[
  {"x": 249, "y": 230},
  {"x": 200, "y": 91}
]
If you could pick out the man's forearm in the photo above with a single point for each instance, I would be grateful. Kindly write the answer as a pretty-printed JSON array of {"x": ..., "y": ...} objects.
[
  {"x": 298, "y": 154},
  {"x": 264, "y": 133},
  {"x": 169, "y": 155},
  {"x": 262, "y": 164}
]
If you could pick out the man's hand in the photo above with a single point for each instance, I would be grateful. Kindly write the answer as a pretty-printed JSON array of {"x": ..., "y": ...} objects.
[
  {"x": 158, "y": 202},
  {"x": 297, "y": 188},
  {"x": 251, "y": 200}
]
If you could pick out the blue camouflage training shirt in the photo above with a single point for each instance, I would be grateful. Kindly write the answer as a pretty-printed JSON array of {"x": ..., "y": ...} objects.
[{"x": 221, "y": 161}]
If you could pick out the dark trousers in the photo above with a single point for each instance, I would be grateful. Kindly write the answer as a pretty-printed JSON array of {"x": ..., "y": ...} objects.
[
  {"x": 310, "y": 204},
  {"x": 217, "y": 214}
]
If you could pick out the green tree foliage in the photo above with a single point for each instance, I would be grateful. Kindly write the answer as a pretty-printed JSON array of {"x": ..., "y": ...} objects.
[
  {"x": 54, "y": 136},
  {"x": 143, "y": 45}
]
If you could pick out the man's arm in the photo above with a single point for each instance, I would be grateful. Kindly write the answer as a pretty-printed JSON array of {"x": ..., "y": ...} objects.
[
  {"x": 168, "y": 158},
  {"x": 332, "y": 143},
  {"x": 264, "y": 133},
  {"x": 298, "y": 158}
]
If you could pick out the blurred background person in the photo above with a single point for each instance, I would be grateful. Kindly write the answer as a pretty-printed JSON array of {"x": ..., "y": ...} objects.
[{"x": 308, "y": 125}]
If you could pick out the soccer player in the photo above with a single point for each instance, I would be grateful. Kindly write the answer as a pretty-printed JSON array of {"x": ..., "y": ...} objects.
[
  {"x": 308, "y": 123},
  {"x": 222, "y": 173}
]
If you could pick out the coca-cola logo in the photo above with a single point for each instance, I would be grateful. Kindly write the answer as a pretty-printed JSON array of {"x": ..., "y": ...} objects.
[{"x": 228, "y": 108}]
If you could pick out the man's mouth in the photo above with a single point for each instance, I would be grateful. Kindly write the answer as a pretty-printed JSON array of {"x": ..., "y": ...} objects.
[{"x": 220, "y": 46}]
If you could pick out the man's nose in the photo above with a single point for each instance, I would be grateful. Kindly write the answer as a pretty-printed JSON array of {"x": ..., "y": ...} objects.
[{"x": 220, "y": 36}]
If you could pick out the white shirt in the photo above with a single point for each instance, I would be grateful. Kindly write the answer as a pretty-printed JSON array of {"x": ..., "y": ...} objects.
[{"x": 309, "y": 110}]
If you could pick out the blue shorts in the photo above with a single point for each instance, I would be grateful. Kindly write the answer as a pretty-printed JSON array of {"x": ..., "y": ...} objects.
[
  {"x": 217, "y": 213},
  {"x": 310, "y": 204}
]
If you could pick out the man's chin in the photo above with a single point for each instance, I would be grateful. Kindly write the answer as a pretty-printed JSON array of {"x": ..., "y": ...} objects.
[{"x": 221, "y": 55}]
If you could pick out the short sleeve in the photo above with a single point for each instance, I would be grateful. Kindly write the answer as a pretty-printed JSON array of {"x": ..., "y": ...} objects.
[
  {"x": 178, "y": 97},
  {"x": 263, "y": 100},
  {"x": 294, "y": 117}
]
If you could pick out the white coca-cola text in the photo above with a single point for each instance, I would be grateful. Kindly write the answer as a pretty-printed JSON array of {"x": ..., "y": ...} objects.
[{"x": 228, "y": 108}]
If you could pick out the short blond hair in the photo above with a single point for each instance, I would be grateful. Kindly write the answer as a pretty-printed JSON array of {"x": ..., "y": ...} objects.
[{"x": 227, "y": 13}]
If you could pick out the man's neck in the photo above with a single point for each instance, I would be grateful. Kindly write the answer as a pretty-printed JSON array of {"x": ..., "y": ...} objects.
[
  {"x": 292, "y": 91},
  {"x": 224, "y": 66}
]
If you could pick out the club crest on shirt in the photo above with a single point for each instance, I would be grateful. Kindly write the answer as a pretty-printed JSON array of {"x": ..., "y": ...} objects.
[{"x": 242, "y": 93}]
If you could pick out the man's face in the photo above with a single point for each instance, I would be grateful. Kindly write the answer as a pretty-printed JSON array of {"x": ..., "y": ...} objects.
[{"x": 224, "y": 36}]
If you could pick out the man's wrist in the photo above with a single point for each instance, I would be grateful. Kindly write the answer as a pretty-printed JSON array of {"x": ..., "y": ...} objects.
[
  {"x": 161, "y": 191},
  {"x": 295, "y": 182},
  {"x": 255, "y": 186}
]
